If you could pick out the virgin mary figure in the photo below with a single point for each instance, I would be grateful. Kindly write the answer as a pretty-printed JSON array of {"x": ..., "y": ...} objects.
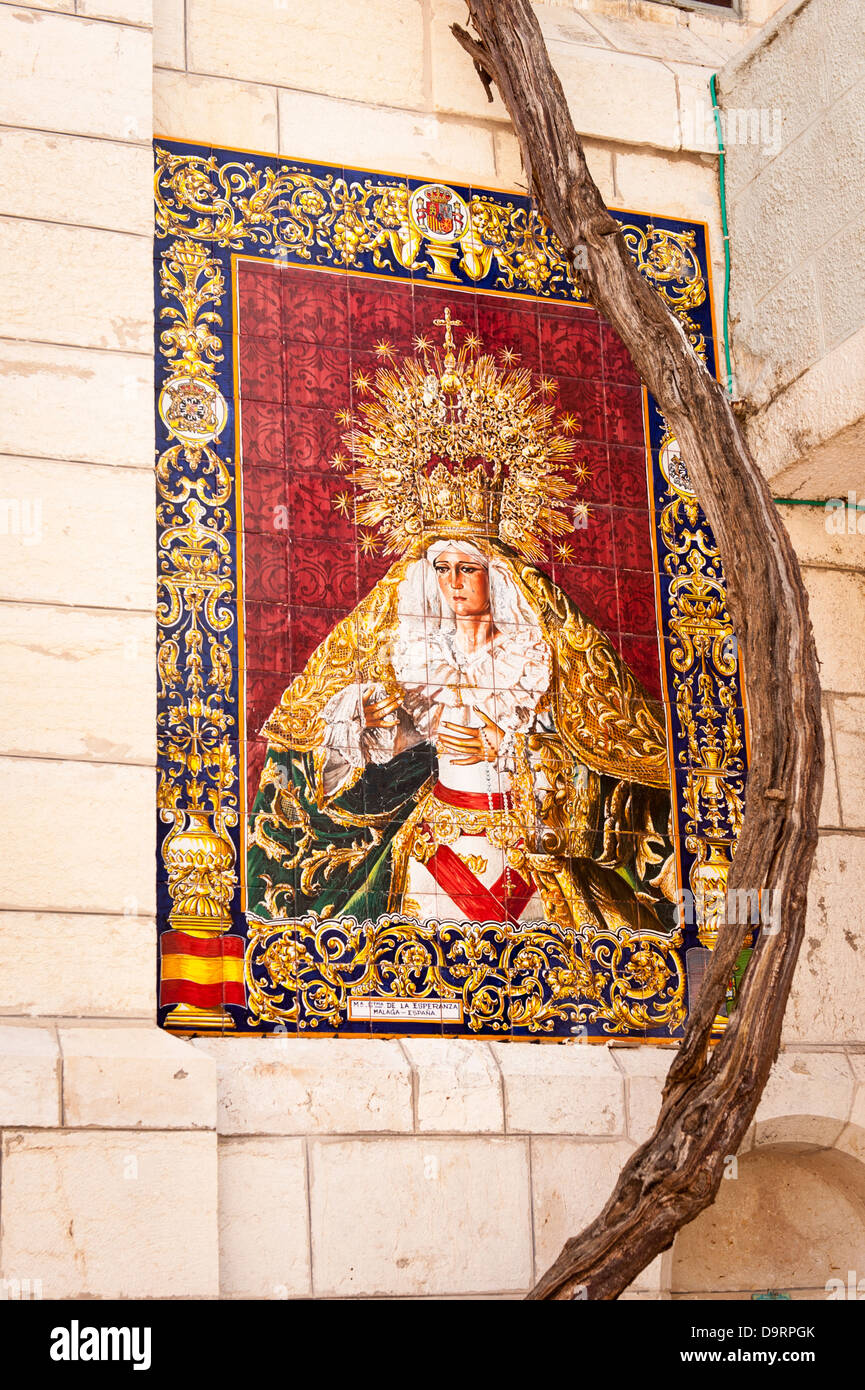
[{"x": 465, "y": 746}]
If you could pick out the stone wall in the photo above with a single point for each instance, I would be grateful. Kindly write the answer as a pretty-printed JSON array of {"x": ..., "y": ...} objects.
[
  {"x": 796, "y": 97},
  {"x": 281, "y": 1168}
]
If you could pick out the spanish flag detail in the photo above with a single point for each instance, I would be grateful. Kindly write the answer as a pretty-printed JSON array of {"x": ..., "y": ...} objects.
[{"x": 205, "y": 971}]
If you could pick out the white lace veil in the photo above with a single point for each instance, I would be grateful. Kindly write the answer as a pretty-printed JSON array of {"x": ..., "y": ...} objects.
[{"x": 421, "y": 601}]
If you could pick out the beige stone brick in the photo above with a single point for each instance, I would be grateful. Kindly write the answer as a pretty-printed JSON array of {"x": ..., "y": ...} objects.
[
  {"x": 128, "y": 1077},
  {"x": 313, "y": 45},
  {"x": 111, "y": 1214},
  {"x": 263, "y": 1219},
  {"x": 99, "y": 965},
  {"x": 807, "y": 1099},
  {"x": 830, "y": 805},
  {"x": 852, "y": 1139},
  {"x": 849, "y": 724},
  {"x": 29, "y": 1075},
  {"x": 59, "y": 517},
  {"x": 677, "y": 185},
  {"x": 101, "y": 404},
  {"x": 813, "y": 541},
  {"x": 215, "y": 110},
  {"x": 559, "y": 24},
  {"x": 456, "y": 87},
  {"x": 415, "y": 1216},
  {"x": 83, "y": 837},
  {"x": 836, "y": 601},
  {"x": 73, "y": 508},
  {"x": 169, "y": 34},
  {"x": 840, "y": 272},
  {"x": 401, "y": 142},
  {"x": 571, "y": 1181},
  {"x": 826, "y": 1000},
  {"x": 774, "y": 360},
  {"x": 75, "y": 684},
  {"x": 645, "y": 1068},
  {"x": 71, "y": 74},
  {"x": 510, "y": 171},
  {"x": 294, "y": 1085},
  {"x": 72, "y": 179},
  {"x": 108, "y": 304},
  {"x": 457, "y": 1085},
  {"x": 551, "y": 1089},
  {"x": 669, "y": 41},
  {"x": 123, "y": 11}
]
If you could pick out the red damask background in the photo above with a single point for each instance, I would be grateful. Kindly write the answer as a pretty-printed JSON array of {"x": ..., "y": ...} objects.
[{"x": 302, "y": 335}]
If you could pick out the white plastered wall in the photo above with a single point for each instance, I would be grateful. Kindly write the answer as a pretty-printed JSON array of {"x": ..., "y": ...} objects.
[{"x": 227, "y": 1163}]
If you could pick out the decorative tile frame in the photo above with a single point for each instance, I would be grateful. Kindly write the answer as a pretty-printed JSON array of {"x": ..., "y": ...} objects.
[{"x": 218, "y": 972}]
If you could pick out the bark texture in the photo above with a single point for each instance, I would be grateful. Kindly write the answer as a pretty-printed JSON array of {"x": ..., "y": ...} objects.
[{"x": 710, "y": 1097}]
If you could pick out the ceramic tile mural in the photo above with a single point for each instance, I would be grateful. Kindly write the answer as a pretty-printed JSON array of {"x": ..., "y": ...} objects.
[{"x": 451, "y": 725}]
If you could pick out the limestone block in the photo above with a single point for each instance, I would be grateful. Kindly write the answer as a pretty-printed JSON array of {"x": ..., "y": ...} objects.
[
  {"x": 109, "y": 306},
  {"x": 559, "y": 24},
  {"x": 802, "y": 196},
  {"x": 214, "y": 110},
  {"x": 830, "y": 805},
  {"x": 101, "y": 404},
  {"x": 849, "y": 725},
  {"x": 369, "y": 137},
  {"x": 852, "y": 1140},
  {"x": 766, "y": 359},
  {"x": 782, "y": 71},
  {"x": 645, "y": 1068},
  {"x": 69, "y": 178},
  {"x": 312, "y": 44},
  {"x": 598, "y": 83},
  {"x": 128, "y": 1077},
  {"x": 836, "y": 602},
  {"x": 58, "y": 520},
  {"x": 111, "y": 1213},
  {"x": 99, "y": 965},
  {"x": 570, "y": 1089},
  {"x": 82, "y": 837},
  {"x": 810, "y": 440},
  {"x": 840, "y": 270},
  {"x": 807, "y": 1099},
  {"x": 842, "y": 40},
  {"x": 29, "y": 1075},
  {"x": 571, "y": 1181},
  {"x": 826, "y": 1001},
  {"x": 815, "y": 544},
  {"x": 677, "y": 185},
  {"x": 169, "y": 34},
  {"x": 263, "y": 1219},
  {"x": 420, "y": 1216},
  {"x": 674, "y": 42},
  {"x": 456, "y": 87},
  {"x": 59, "y": 517},
  {"x": 457, "y": 1085},
  {"x": 295, "y": 1085},
  {"x": 123, "y": 11},
  {"x": 74, "y": 684},
  {"x": 66, "y": 73},
  {"x": 510, "y": 170}
]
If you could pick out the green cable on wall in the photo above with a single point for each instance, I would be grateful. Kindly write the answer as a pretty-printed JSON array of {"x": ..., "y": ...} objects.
[{"x": 722, "y": 176}]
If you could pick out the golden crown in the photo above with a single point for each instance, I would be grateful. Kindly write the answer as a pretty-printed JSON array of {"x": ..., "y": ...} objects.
[{"x": 453, "y": 444}]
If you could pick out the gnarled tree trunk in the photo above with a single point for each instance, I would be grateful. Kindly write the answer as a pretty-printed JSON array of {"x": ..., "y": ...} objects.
[{"x": 710, "y": 1097}]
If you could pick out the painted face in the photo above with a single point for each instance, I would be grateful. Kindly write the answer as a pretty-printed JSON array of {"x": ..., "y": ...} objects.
[{"x": 464, "y": 583}]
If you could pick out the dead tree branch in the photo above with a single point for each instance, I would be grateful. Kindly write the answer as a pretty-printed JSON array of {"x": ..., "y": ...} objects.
[{"x": 710, "y": 1098}]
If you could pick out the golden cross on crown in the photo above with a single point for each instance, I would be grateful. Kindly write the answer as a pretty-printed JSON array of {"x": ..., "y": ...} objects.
[{"x": 448, "y": 324}]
